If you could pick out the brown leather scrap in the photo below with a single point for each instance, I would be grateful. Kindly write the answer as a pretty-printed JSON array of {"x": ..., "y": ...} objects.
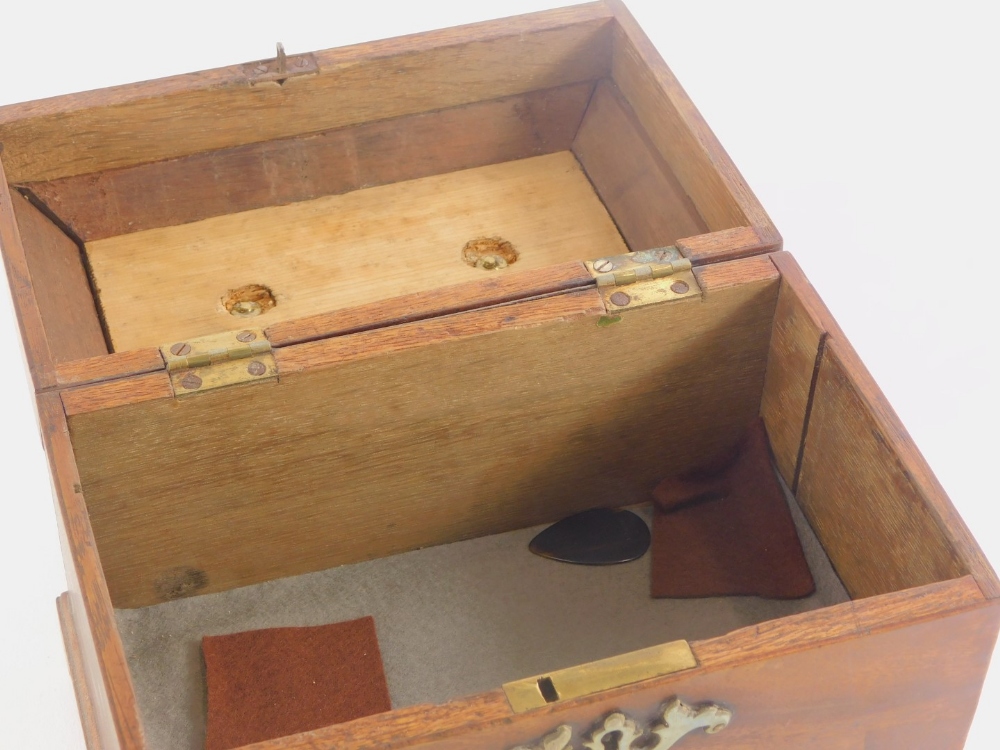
[
  {"x": 264, "y": 684},
  {"x": 727, "y": 530}
]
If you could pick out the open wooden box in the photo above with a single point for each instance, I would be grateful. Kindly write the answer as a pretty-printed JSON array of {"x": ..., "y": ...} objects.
[{"x": 259, "y": 354}]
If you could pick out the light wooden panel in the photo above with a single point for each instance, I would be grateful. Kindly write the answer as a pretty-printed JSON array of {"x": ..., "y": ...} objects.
[
  {"x": 61, "y": 289},
  {"x": 331, "y": 253},
  {"x": 647, "y": 202},
  {"x": 77, "y": 672},
  {"x": 214, "y": 183},
  {"x": 898, "y": 672},
  {"x": 172, "y": 117},
  {"x": 102, "y": 658},
  {"x": 421, "y": 434},
  {"x": 879, "y": 511},
  {"x": 678, "y": 131},
  {"x": 792, "y": 364}
]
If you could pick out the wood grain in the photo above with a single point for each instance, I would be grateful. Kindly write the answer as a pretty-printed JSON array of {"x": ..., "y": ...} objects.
[
  {"x": 895, "y": 672},
  {"x": 108, "y": 367},
  {"x": 447, "y": 300},
  {"x": 228, "y": 181},
  {"x": 346, "y": 250},
  {"x": 935, "y": 540},
  {"x": 678, "y": 131},
  {"x": 792, "y": 366},
  {"x": 638, "y": 187},
  {"x": 77, "y": 672},
  {"x": 61, "y": 288},
  {"x": 29, "y": 320},
  {"x": 107, "y": 677},
  {"x": 182, "y": 115},
  {"x": 421, "y": 434},
  {"x": 726, "y": 244}
]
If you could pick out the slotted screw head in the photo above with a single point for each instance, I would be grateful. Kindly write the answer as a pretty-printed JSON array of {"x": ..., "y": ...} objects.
[
  {"x": 620, "y": 298},
  {"x": 256, "y": 368},
  {"x": 603, "y": 265},
  {"x": 191, "y": 382},
  {"x": 181, "y": 349},
  {"x": 246, "y": 336}
]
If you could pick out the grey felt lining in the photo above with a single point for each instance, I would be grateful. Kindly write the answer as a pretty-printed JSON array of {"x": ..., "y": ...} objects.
[{"x": 452, "y": 621}]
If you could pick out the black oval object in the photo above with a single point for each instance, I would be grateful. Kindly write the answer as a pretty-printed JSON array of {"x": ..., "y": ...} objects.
[{"x": 601, "y": 536}]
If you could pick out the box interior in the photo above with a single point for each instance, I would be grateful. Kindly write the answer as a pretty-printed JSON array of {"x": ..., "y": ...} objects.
[{"x": 376, "y": 458}]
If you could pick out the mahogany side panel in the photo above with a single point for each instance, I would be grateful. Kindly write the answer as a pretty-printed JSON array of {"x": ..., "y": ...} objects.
[
  {"x": 678, "y": 131},
  {"x": 29, "y": 319},
  {"x": 896, "y": 672},
  {"x": 62, "y": 291},
  {"x": 180, "y": 191},
  {"x": 859, "y": 458},
  {"x": 77, "y": 672},
  {"x": 217, "y": 109},
  {"x": 638, "y": 187},
  {"x": 105, "y": 670},
  {"x": 418, "y": 434}
]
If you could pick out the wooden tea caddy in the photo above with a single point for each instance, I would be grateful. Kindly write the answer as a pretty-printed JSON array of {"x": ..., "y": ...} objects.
[{"x": 258, "y": 352}]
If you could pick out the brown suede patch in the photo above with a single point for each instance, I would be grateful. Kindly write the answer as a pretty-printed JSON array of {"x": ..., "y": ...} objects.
[
  {"x": 727, "y": 530},
  {"x": 264, "y": 684}
]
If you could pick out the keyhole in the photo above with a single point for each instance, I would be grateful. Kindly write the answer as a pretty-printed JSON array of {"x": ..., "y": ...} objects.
[{"x": 548, "y": 690}]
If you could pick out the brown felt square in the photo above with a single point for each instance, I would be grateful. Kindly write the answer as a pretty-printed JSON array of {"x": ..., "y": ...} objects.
[
  {"x": 264, "y": 684},
  {"x": 727, "y": 530}
]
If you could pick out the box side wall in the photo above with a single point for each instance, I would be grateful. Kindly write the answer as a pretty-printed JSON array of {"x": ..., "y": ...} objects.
[
  {"x": 882, "y": 516},
  {"x": 105, "y": 674},
  {"x": 420, "y": 434},
  {"x": 218, "y": 109},
  {"x": 683, "y": 139},
  {"x": 896, "y": 672}
]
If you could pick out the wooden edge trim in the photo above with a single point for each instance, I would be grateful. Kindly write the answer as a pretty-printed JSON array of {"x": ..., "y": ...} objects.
[
  {"x": 29, "y": 317},
  {"x": 719, "y": 276},
  {"x": 111, "y": 393},
  {"x": 108, "y": 367},
  {"x": 695, "y": 123},
  {"x": 330, "y": 59},
  {"x": 98, "y": 611},
  {"x": 421, "y": 725},
  {"x": 724, "y": 245},
  {"x": 76, "y": 672},
  {"x": 897, "y": 438},
  {"x": 828, "y": 625},
  {"x": 419, "y": 306},
  {"x": 521, "y": 314}
]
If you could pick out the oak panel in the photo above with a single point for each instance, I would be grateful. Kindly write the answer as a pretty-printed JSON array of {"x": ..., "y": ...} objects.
[
  {"x": 228, "y": 181},
  {"x": 172, "y": 117},
  {"x": 430, "y": 432},
  {"x": 641, "y": 192}
]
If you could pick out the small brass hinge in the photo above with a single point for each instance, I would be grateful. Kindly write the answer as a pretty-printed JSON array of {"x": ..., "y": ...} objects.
[
  {"x": 648, "y": 277},
  {"x": 217, "y": 361}
]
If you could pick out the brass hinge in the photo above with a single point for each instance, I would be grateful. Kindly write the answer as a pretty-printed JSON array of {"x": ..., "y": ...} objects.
[
  {"x": 648, "y": 277},
  {"x": 220, "y": 360}
]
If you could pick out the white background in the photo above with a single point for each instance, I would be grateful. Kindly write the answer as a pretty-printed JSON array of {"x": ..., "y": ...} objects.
[{"x": 869, "y": 131}]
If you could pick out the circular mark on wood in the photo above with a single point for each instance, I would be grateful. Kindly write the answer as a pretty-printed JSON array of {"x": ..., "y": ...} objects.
[
  {"x": 177, "y": 583},
  {"x": 249, "y": 300},
  {"x": 489, "y": 253},
  {"x": 620, "y": 298}
]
